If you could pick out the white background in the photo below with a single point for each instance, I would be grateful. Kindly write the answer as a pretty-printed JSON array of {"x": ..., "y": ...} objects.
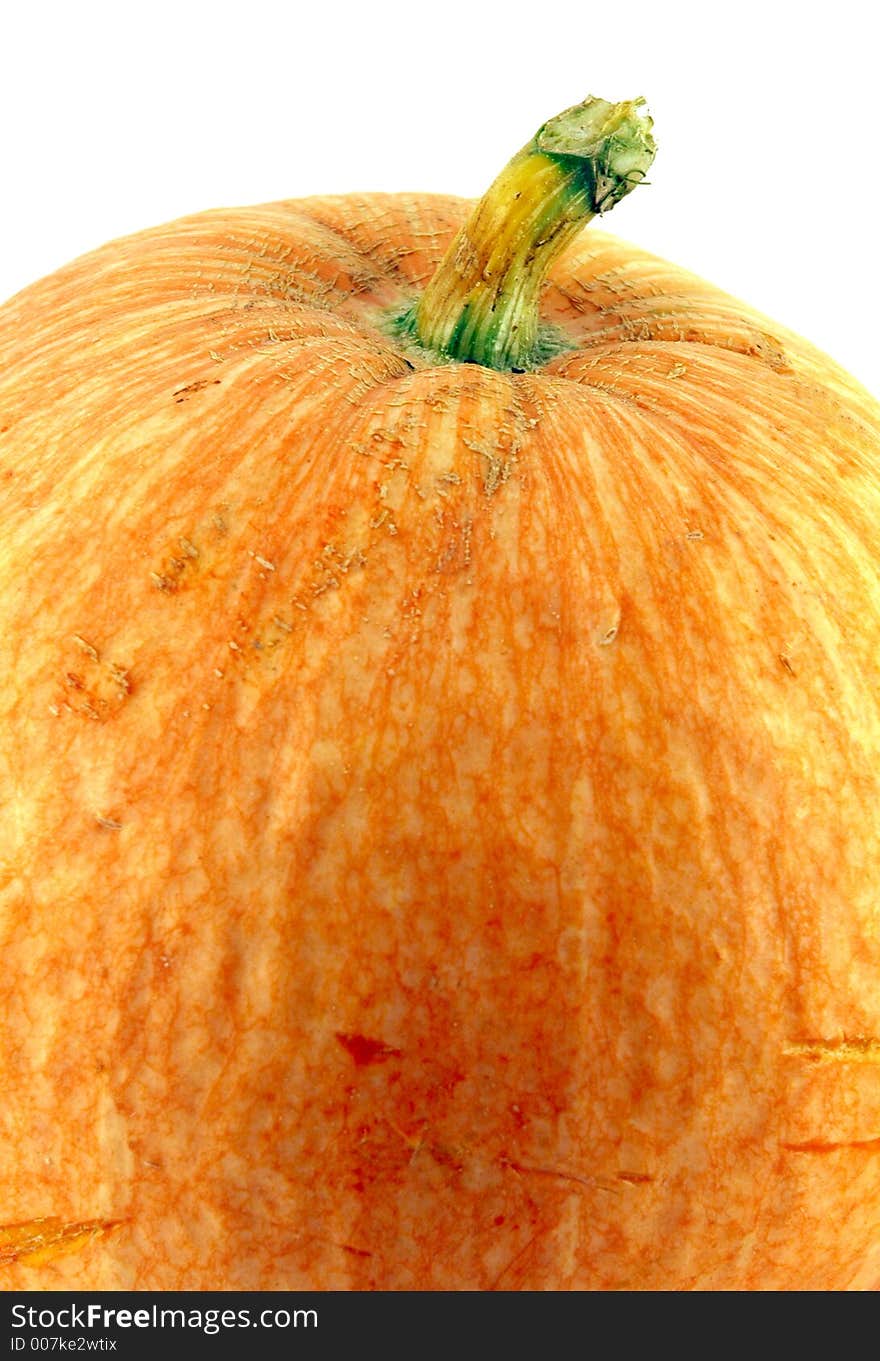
[{"x": 766, "y": 182}]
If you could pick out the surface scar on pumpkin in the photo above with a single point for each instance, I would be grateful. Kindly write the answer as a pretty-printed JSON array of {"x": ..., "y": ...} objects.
[
  {"x": 182, "y": 393},
  {"x": 517, "y": 1258},
  {"x": 858, "y": 1049},
  {"x": 87, "y": 648},
  {"x": 363, "y": 1050},
  {"x": 96, "y": 689},
  {"x": 832, "y": 1146},
  {"x": 590, "y": 1183},
  {"x": 34, "y": 1241},
  {"x": 333, "y": 1243},
  {"x": 442, "y": 1154}
]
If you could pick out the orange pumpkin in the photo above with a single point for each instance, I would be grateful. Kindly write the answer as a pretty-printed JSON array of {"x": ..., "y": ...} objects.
[{"x": 440, "y": 758}]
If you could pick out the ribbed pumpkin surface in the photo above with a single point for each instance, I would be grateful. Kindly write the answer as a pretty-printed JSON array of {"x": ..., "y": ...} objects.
[{"x": 440, "y": 820}]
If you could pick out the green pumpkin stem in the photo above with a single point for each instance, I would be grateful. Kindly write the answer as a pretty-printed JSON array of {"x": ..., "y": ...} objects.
[{"x": 481, "y": 306}]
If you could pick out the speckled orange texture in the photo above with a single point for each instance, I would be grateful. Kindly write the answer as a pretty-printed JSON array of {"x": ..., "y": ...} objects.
[{"x": 440, "y": 836}]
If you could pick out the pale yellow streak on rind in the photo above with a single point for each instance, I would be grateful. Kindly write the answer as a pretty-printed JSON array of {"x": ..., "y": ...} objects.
[
  {"x": 856, "y": 1050},
  {"x": 36, "y": 1241}
]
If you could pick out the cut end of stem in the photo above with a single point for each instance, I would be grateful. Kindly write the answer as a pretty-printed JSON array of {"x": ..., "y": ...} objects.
[{"x": 615, "y": 140}]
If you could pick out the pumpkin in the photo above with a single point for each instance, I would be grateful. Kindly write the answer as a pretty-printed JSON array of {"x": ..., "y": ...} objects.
[{"x": 440, "y": 758}]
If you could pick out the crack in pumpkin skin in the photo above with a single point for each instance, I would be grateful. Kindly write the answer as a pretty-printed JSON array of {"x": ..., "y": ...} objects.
[{"x": 460, "y": 802}]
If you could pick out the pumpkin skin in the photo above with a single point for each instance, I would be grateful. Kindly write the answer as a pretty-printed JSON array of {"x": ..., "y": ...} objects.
[{"x": 441, "y": 825}]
